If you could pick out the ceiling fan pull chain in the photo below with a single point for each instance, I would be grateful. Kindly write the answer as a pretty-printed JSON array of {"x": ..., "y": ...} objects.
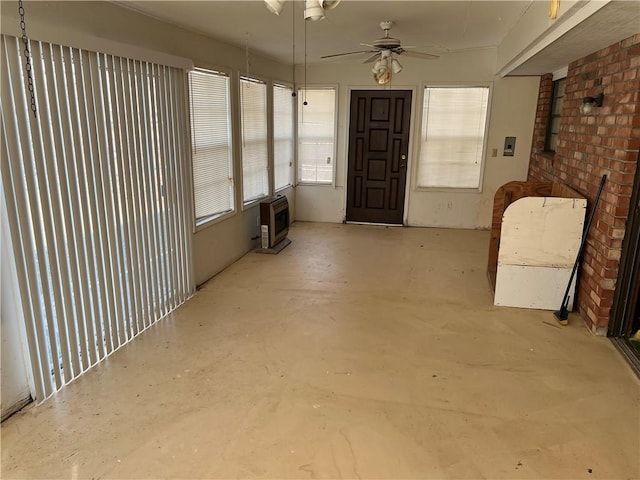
[{"x": 27, "y": 58}]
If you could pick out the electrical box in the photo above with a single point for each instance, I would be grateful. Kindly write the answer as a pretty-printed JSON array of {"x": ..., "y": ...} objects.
[{"x": 509, "y": 146}]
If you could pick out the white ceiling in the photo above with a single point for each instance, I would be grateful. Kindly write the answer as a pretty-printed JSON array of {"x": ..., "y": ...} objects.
[{"x": 433, "y": 26}]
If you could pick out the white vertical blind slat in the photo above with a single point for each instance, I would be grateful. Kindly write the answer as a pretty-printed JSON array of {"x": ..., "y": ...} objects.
[
  {"x": 73, "y": 147},
  {"x": 184, "y": 210},
  {"x": 117, "y": 197},
  {"x": 102, "y": 185},
  {"x": 126, "y": 198},
  {"x": 150, "y": 193},
  {"x": 167, "y": 204},
  {"x": 138, "y": 271},
  {"x": 62, "y": 213},
  {"x": 145, "y": 256},
  {"x": 96, "y": 206},
  {"x": 83, "y": 85},
  {"x": 16, "y": 201},
  {"x": 47, "y": 261},
  {"x": 157, "y": 185}
]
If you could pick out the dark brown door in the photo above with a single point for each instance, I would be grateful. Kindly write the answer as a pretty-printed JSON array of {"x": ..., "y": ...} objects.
[{"x": 378, "y": 150}]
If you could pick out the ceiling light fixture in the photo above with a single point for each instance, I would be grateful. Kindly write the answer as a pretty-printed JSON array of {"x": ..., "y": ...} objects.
[
  {"x": 395, "y": 66},
  {"x": 313, "y": 10},
  {"x": 275, "y": 6},
  {"x": 588, "y": 103}
]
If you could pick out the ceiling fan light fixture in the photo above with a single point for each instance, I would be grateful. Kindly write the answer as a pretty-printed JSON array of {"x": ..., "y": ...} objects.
[
  {"x": 395, "y": 66},
  {"x": 313, "y": 10},
  {"x": 376, "y": 67},
  {"x": 275, "y": 6},
  {"x": 329, "y": 4}
]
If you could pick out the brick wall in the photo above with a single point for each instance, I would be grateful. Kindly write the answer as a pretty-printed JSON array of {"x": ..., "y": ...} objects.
[{"x": 605, "y": 142}]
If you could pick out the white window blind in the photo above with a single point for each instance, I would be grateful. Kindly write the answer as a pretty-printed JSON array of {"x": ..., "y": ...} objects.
[
  {"x": 453, "y": 134},
  {"x": 98, "y": 201},
  {"x": 316, "y": 135},
  {"x": 211, "y": 148},
  {"x": 282, "y": 136},
  {"x": 255, "y": 156}
]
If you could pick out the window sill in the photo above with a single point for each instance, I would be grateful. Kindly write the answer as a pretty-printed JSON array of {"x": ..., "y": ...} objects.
[
  {"x": 212, "y": 220},
  {"x": 309, "y": 184},
  {"x": 254, "y": 202},
  {"x": 449, "y": 189},
  {"x": 282, "y": 189}
]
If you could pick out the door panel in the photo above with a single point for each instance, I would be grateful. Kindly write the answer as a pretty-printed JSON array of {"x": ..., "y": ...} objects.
[{"x": 378, "y": 150}]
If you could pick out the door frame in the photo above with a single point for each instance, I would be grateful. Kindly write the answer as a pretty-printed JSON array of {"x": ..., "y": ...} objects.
[
  {"x": 626, "y": 292},
  {"x": 411, "y": 151}
]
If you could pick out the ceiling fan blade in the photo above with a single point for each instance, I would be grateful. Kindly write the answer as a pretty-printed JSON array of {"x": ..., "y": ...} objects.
[
  {"x": 372, "y": 58},
  {"x": 346, "y": 53},
  {"x": 425, "y": 56},
  {"x": 367, "y": 45}
]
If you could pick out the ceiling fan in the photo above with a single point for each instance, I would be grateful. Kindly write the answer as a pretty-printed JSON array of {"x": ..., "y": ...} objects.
[{"x": 382, "y": 51}]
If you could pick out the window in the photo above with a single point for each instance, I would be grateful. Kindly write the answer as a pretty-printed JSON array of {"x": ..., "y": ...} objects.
[
  {"x": 97, "y": 205},
  {"x": 554, "y": 115},
  {"x": 316, "y": 135},
  {"x": 453, "y": 134},
  {"x": 253, "y": 106},
  {"x": 211, "y": 148},
  {"x": 282, "y": 136}
]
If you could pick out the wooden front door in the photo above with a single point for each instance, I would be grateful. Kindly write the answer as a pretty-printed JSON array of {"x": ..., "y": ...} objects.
[{"x": 378, "y": 150}]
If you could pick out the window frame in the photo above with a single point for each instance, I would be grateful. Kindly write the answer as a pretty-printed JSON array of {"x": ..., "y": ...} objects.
[
  {"x": 268, "y": 139},
  {"x": 418, "y": 144},
  {"x": 552, "y": 104},
  {"x": 294, "y": 137},
  {"x": 206, "y": 222},
  {"x": 300, "y": 97}
]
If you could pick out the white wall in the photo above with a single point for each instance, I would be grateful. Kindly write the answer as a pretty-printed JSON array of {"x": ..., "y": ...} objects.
[
  {"x": 113, "y": 29},
  {"x": 513, "y": 106}
]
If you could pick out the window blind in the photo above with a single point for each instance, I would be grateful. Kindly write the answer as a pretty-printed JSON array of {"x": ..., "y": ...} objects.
[
  {"x": 211, "y": 148},
  {"x": 98, "y": 201},
  {"x": 282, "y": 136},
  {"x": 316, "y": 135},
  {"x": 453, "y": 134},
  {"x": 253, "y": 107}
]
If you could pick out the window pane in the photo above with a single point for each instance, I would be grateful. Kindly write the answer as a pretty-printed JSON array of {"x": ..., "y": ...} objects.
[
  {"x": 316, "y": 135},
  {"x": 452, "y": 142},
  {"x": 553, "y": 126},
  {"x": 253, "y": 104},
  {"x": 282, "y": 136},
  {"x": 211, "y": 144}
]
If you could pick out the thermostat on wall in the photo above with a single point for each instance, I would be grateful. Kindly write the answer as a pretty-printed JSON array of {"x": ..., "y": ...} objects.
[{"x": 509, "y": 146}]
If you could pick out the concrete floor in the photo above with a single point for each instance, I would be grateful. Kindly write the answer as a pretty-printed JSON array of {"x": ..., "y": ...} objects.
[{"x": 357, "y": 352}]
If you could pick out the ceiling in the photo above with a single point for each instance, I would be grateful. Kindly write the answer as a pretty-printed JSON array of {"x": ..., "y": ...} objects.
[{"x": 439, "y": 27}]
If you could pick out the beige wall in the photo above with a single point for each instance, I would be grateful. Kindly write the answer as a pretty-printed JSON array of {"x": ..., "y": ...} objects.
[
  {"x": 513, "y": 106},
  {"x": 112, "y": 29}
]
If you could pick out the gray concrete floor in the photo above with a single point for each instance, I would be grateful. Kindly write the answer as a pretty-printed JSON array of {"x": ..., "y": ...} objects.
[{"x": 357, "y": 352}]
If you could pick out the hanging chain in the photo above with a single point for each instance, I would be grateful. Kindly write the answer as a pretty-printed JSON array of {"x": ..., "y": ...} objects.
[{"x": 27, "y": 57}]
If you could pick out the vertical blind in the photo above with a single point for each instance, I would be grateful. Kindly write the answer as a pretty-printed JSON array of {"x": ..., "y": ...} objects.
[
  {"x": 97, "y": 191},
  {"x": 211, "y": 144},
  {"x": 316, "y": 135},
  {"x": 253, "y": 112},
  {"x": 453, "y": 134},
  {"x": 282, "y": 136}
]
